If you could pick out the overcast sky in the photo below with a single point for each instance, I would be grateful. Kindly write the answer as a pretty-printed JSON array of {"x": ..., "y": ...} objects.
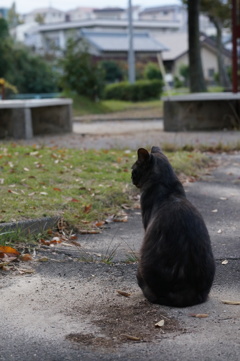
[{"x": 24, "y": 6}]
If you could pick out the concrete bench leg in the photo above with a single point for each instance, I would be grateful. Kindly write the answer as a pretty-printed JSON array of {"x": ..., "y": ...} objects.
[{"x": 22, "y": 123}]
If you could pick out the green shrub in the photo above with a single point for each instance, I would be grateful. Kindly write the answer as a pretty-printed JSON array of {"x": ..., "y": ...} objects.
[
  {"x": 177, "y": 82},
  {"x": 152, "y": 72},
  {"x": 112, "y": 71},
  {"x": 140, "y": 90}
]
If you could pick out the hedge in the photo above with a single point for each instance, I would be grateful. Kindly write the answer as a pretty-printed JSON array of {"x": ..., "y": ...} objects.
[{"x": 140, "y": 90}]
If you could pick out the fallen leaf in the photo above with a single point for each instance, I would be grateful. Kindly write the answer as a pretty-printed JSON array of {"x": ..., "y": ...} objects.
[
  {"x": 120, "y": 217},
  {"x": 231, "y": 302},
  {"x": 87, "y": 209},
  {"x": 74, "y": 200},
  {"x": 132, "y": 338},
  {"x": 126, "y": 206},
  {"x": 45, "y": 242},
  {"x": 25, "y": 257},
  {"x": 26, "y": 271},
  {"x": 8, "y": 251},
  {"x": 43, "y": 193},
  {"x": 57, "y": 189},
  {"x": 10, "y": 191},
  {"x": 26, "y": 169},
  {"x": 31, "y": 194},
  {"x": 55, "y": 240},
  {"x": 99, "y": 224},
  {"x": 43, "y": 259},
  {"x": 159, "y": 323},
  {"x": 199, "y": 315},
  {"x": 123, "y": 293},
  {"x": 90, "y": 231},
  {"x": 225, "y": 261}
]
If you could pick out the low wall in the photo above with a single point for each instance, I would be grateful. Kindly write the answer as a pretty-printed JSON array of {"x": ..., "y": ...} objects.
[
  {"x": 202, "y": 111},
  {"x": 22, "y": 119}
]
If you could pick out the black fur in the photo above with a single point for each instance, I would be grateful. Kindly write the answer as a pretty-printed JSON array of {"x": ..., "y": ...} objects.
[{"x": 176, "y": 266}]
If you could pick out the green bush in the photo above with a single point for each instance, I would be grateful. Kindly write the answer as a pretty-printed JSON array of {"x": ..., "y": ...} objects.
[
  {"x": 140, "y": 90},
  {"x": 152, "y": 72},
  {"x": 112, "y": 71}
]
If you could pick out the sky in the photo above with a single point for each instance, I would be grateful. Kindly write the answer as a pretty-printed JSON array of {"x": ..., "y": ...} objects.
[{"x": 25, "y": 6}]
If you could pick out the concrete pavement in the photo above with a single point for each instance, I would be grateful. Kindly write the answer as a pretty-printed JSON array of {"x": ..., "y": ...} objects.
[{"x": 70, "y": 308}]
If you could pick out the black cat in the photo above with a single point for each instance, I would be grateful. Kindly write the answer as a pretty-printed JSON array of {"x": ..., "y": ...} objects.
[{"x": 176, "y": 266}]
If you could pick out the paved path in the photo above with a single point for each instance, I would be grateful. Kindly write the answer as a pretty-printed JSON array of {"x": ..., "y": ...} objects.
[
  {"x": 132, "y": 134},
  {"x": 69, "y": 308}
]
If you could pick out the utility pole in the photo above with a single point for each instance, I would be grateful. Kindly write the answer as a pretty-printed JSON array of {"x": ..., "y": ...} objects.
[{"x": 131, "y": 55}]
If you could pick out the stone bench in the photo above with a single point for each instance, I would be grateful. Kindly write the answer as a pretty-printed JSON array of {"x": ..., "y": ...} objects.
[
  {"x": 23, "y": 119},
  {"x": 202, "y": 111}
]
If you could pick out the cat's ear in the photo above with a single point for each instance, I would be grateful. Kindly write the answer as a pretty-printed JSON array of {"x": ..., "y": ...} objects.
[
  {"x": 143, "y": 155},
  {"x": 156, "y": 150}
]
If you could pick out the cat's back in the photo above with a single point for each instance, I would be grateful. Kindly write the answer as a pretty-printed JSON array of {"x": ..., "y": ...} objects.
[{"x": 178, "y": 217}]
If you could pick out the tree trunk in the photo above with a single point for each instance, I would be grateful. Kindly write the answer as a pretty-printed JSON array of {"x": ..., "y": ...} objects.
[
  {"x": 197, "y": 83},
  {"x": 223, "y": 76}
]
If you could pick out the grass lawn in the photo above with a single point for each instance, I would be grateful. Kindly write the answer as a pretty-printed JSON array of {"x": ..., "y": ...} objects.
[
  {"x": 83, "y": 187},
  {"x": 84, "y": 106}
]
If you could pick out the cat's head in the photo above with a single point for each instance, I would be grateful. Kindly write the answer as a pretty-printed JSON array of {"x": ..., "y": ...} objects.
[{"x": 152, "y": 167}]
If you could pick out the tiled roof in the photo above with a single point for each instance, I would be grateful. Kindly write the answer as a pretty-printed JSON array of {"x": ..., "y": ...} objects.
[{"x": 119, "y": 41}]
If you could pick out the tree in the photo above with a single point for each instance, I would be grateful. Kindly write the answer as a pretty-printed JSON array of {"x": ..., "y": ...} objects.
[
  {"x": 80, "y": 72},
  {"x": 39, "y": 18},
  {"x": 13, "y": 17},
  {"x": 20, "y": 67},
  {"x": 5, "y": 48},
  {"x": 219, "y": 13},
  {"x": 30, "y": 73},
  {"x": 196, "y": 78}
]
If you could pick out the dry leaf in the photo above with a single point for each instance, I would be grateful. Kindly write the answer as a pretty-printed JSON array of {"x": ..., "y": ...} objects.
[
  {"x": 26, "y": 257},
  {"x": 225, "y": 261},
  {"x": 74, "y": 200},
  {"x": 57, "y": 189},
  {"x": 43, "y": 259},
  {"x": 99, "y": 224},
  {"x": 26, "y": 271},
  {"x": 10, "y": 191},
  {"x": 90, "y": 231},
  {"x": 159, "y": 323},
  {"x": 199, "y": 315},
  {"x": 9, "y": 251},
  {"x": 87, "y": 209},
  {"x": 120, "y": 217},
  {"x": 231, "y": 302},
  {"x": 55, "y": 240},
  {"x": 132, "y": 338},
  {"x": 45, "y": 242},
  {"x": 123, "y": 293}
]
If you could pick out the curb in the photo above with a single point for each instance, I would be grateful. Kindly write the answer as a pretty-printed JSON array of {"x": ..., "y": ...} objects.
[{"x": 33, "y": 226}]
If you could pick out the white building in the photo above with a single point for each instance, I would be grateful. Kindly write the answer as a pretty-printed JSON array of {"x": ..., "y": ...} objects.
[
  {"x": 80, "y": 13},
  {"x": 45, "y": 16}
]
